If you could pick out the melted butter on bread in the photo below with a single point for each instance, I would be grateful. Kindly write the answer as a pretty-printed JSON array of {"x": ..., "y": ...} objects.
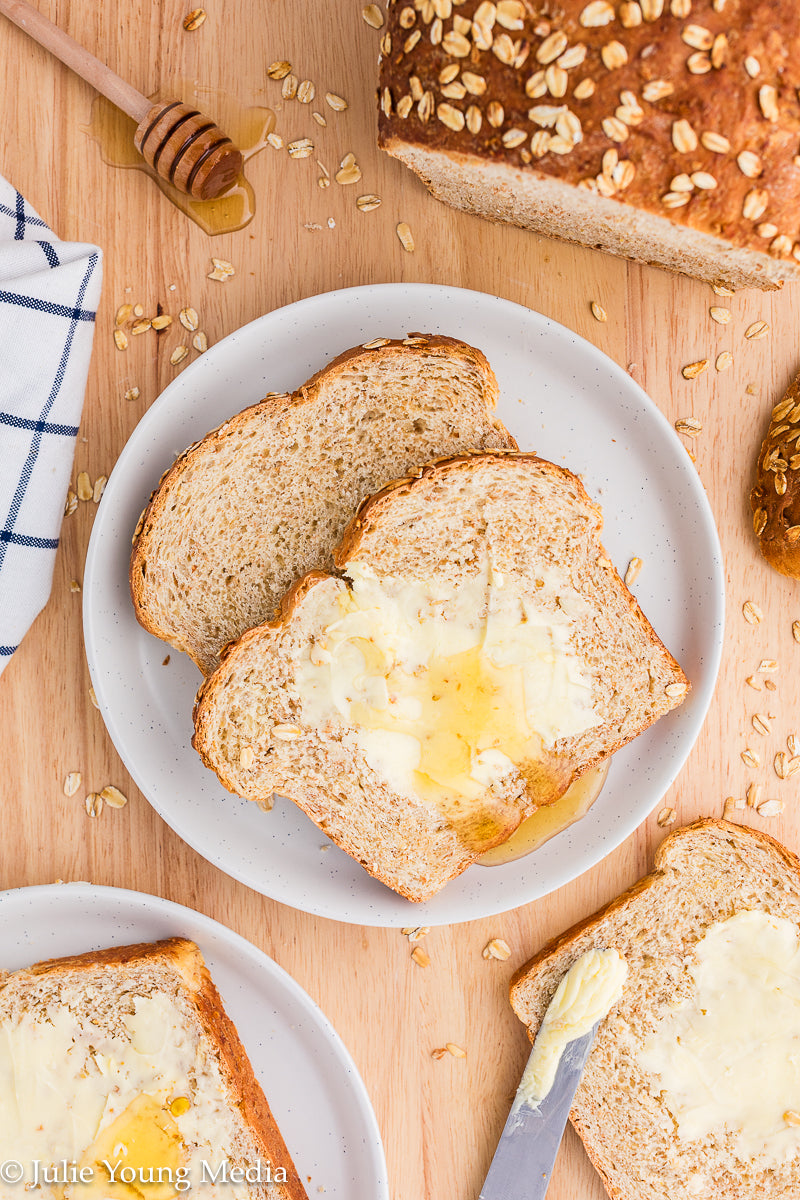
[{"x": 452, "y": 691}]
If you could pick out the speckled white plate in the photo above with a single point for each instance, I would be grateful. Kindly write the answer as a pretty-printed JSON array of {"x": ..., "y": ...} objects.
[
  {"x": 561, "y": 397},
  {"x": 310, "y": 1080}
]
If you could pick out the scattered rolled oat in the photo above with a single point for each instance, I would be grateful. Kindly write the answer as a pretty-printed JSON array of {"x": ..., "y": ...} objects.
[
  {"x": 751, "y": 612},
  {"x": 761, "y": 724},
  {"x": 752, "y": 682},
  {"x": 497, "y": 948},
  {"x": 420, "y": 957},
  {"x": 141, "y": 326},
  {"x": 793, "y": 744},
  {"x": 138, "y": 310},
  {"x": 373, "y": 16},
  {"x": 688, "y": 426},
  {"x": 93, "y": 804},
  {"x": 113, "y": 797},
  {"x": 302, "y": 148},
  {"x": 770, "y": 808},
  {"x": 415, "y": 933},
  {"x": 779, "y": 764},
  {"x": 194, "y": 19},
  {"x": 455, "y": 1050},
  {"x": 93, "y": 698},
  {"x": 99, "y": 488},
  {"x": 337, "y": 103},
  {"x": 85, "y": 490},
  {"x": 724, "y": 361},
  {"x": 796, "y": 630},
  {"x": 598, "y": 312},
  {"x": 758, "y": 329},
  {"x": 767, "y": 665},
  {"x": 721, "y": 315},
  {"x": 349, "y": 170},
  {"x": 753, "y": 795},
  {"x": 72, "y": 783},
  {"x": 162, "y": 322},
  {"x": 632, "y": 573},
  {"x": 750, "y": 758},
  {"x": 666, "y": 817},
  {"x": 403, "y": 232},
  {"x": 189, "y": 319},
  {"x": 279, "y": 70},
  {"x": 222, "y": 269},
  {"x": 200, "y": 342},
  {"x": 289, "y": 87},
  {"x": 120, "y": 339},
  {"x": 178, "y": 355},
  {"x": 132, "y": 393},
  {"x": 318, "y": 117},
  {"x": 275, "y": 140},
  {"x": 71, "y": 503},
  {"x": 368, "y": 202},
  {"x": 439, "y": 1052},
  {"x": 692, "y": 370},
  {"x": 770, "y": 685},
  {"x": 74, "y": 586},
  {"x": 306, "y": 91}
]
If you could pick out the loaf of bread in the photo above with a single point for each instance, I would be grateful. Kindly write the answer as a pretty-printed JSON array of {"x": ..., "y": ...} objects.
[
  {"x": 775, "y": 499},
  {"x": 479, "y": 656},
  {"x": 258, "y": 502},
  {"x": 123, "y": 1064},
  {"x": 710, "y": 940},
  {"x": 666, "y": 131}
]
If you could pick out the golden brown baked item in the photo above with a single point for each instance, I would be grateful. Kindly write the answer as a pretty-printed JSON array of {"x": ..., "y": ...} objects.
[
  {"x": 775, "y": 499},
  {"x": 127, "y": 1056},
  {"x": 667, "y": 131},
  {"x": 480, "y": 655},
  {"x": 705, "y": 874}
]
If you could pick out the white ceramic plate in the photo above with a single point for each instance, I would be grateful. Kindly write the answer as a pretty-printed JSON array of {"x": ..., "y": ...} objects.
[
  {"x": 311, "y": 1082},
  {"x": 559, "y": 396}
]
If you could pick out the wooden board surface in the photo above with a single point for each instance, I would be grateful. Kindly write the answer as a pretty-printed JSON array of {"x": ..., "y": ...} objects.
[{"x": 440, "y": 1120}]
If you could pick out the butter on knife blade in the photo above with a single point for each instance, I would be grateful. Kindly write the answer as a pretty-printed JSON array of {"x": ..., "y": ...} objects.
[{"x": 525, "y": 1155}]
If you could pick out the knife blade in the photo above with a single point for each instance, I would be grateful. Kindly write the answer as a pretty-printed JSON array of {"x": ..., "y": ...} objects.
[{"x": 526, "y": 1152}]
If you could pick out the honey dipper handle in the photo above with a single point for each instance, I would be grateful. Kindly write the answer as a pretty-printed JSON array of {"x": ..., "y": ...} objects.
[{"x": 77, "y": 58}]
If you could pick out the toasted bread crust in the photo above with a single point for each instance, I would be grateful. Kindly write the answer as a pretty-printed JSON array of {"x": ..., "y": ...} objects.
[
  {"x": 266, "y": 411},
  {"x": 184, "y": 958}
]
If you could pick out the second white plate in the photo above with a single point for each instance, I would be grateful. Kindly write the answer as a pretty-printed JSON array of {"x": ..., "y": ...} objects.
[{"x": 561, "y": 397}]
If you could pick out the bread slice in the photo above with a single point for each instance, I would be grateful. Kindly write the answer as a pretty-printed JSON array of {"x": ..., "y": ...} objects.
[
  {"x": 127, "y": 1054},
  {"x": 265, "y": 497},
  {"x": 488, "y": 546},
  {"x": 704, "y": 873}
]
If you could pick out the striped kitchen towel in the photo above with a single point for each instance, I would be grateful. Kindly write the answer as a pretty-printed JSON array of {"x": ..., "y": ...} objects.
[{"x": 48, "y": 298}]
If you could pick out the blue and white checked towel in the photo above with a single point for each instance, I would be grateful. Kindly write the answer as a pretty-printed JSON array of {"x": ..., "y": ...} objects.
[{"x": 48, "y": 298}]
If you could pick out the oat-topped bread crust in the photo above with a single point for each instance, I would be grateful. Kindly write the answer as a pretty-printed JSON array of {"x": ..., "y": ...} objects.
[
  {"x": 704, "y": 873},
  {"x": 609, "y": 122},
  {"x": 265, "y": 497},
  {"x": 775, "y": 499},
  {"x": 101, "y": 986},
  {"x": 540, "y": 530}
]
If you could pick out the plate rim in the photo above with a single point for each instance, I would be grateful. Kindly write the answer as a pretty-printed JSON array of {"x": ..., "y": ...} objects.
[
  {"x": 141, "y": 902},
  {"x": 712, "y": 650}
]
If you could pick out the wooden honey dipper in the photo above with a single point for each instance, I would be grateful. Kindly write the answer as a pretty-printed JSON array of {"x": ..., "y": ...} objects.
[{"x": 185, "y": 148}]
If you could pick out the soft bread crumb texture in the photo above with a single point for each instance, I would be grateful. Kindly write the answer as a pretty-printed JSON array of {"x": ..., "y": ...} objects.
[
  {"x": 704, "y": 873},
  {"x": 536, "y": 523},
  {"x": 265, "y": 498}
]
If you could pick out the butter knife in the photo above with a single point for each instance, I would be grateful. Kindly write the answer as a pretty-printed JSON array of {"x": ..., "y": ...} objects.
[{"x": 524, "y": 1158}]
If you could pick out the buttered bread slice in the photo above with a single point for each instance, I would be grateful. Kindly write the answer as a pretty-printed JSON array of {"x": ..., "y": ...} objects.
[
  {"x": 122, "y": 1077},
  {"x": 479, "y": 653},
  {"x": 265, "y": 498}
]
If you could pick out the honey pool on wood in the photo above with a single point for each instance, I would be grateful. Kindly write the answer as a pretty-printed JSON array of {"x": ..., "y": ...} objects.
[{"x": 248, "y": 127}]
